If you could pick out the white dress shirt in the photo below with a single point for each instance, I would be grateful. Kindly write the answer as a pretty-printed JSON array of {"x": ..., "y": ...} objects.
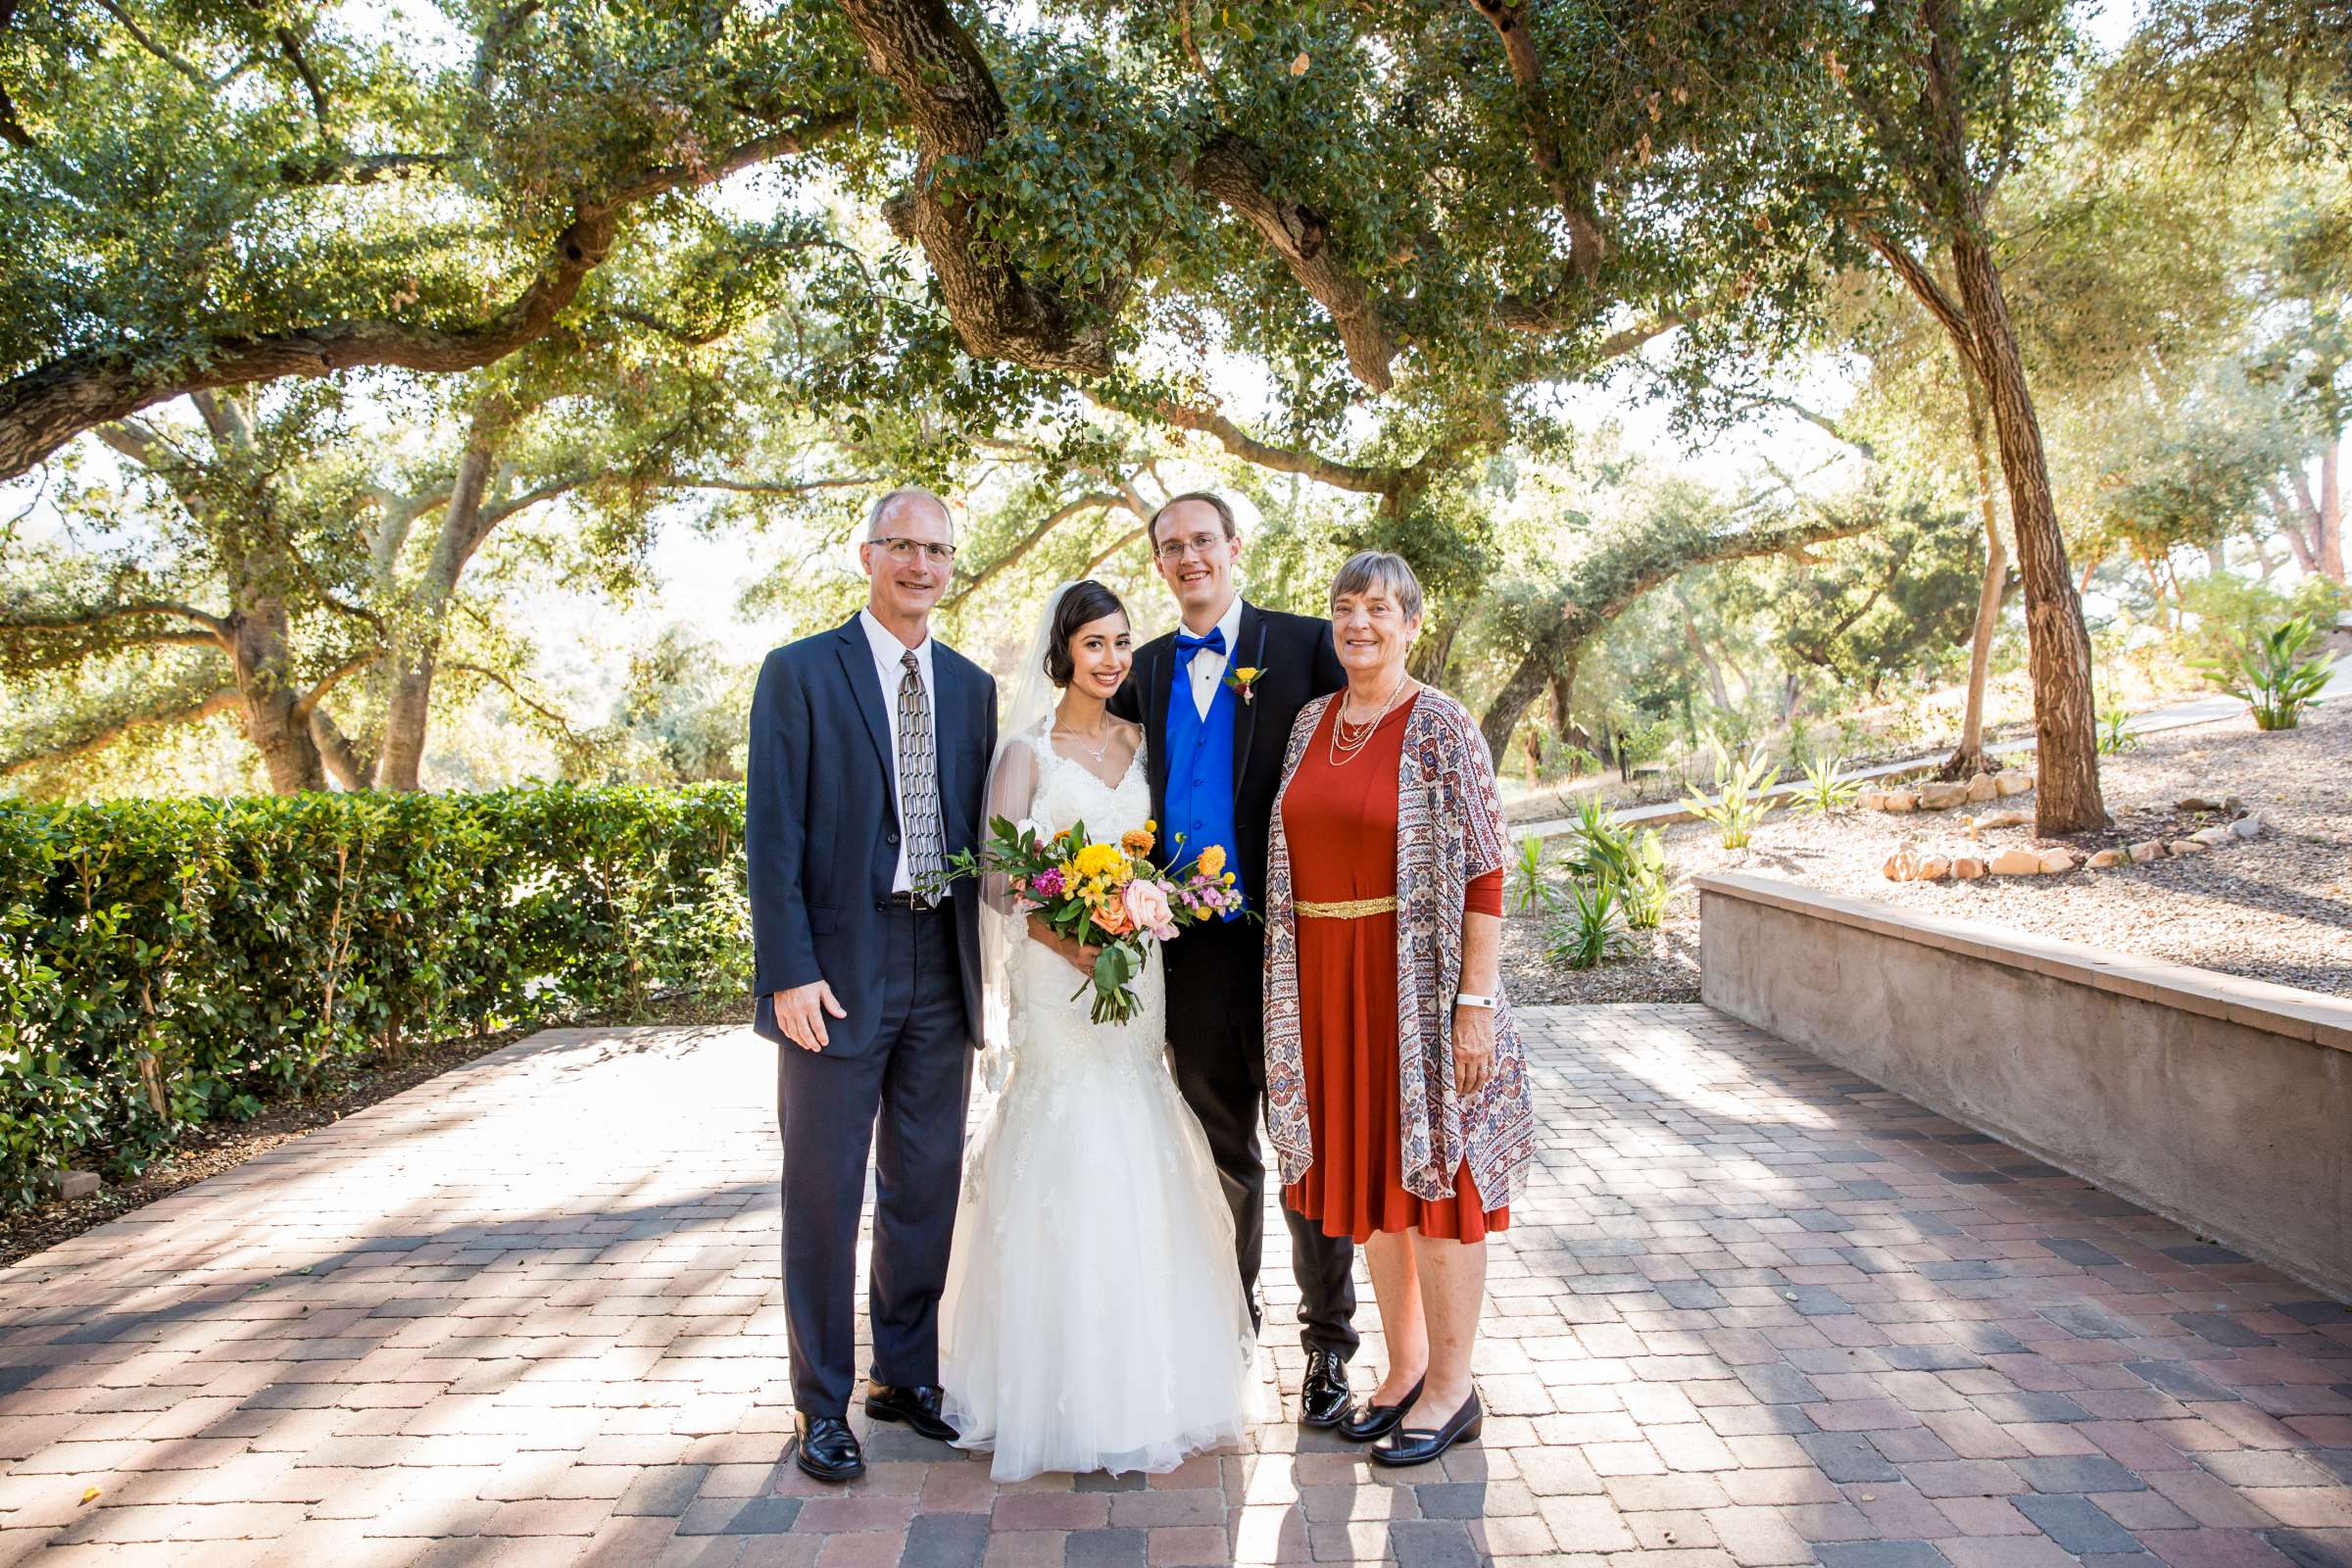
[
  {"x": 889, "y": 656},
  {"x": 1208, "y": 666}
]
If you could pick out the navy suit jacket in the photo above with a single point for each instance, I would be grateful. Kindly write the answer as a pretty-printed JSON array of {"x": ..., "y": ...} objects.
[{"x": 821, "y": 826}]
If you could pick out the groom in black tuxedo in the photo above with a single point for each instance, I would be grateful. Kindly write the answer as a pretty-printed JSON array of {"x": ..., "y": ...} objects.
[
  {"x": 870, "y": 750},
  {"x": 1216, "y": 699}
]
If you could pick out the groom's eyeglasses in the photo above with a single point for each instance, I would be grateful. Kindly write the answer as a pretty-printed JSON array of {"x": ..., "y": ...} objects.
[
  {"x": 1200, "y": 544},
  {"x": 905, "y": 549}
]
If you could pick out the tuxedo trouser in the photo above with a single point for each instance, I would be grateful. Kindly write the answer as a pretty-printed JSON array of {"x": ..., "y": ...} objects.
[
  {"x": 1216, "y": 1048},
  {"x": 902, "y": 1100}
]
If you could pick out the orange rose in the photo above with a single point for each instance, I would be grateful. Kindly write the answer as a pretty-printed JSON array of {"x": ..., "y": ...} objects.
[{"x": 1112, "y": 916}]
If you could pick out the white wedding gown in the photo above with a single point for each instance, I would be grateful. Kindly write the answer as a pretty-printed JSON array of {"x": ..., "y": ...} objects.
[{"x": 1093, "y": 1319}]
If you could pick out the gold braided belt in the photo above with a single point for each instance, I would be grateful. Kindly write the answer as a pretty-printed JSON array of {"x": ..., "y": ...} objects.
[{"x": 1345, "y": 908}]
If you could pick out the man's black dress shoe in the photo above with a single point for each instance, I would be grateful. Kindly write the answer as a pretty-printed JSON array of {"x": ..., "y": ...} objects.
[
  {"x": 1375, "y": 1421},
  {"x": 1323, "y": 1398},
  {"x": 828, "y": 1449},
  {"x": 918, "y": 1407},
  {"x": 1407, "y": 1446}
]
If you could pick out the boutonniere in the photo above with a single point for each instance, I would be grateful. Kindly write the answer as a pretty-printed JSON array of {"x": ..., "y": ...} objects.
[{"x": 1242, "y": 678}]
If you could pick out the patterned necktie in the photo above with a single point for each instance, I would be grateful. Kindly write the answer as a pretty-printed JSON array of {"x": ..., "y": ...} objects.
[{"x": 919, "y": 781}]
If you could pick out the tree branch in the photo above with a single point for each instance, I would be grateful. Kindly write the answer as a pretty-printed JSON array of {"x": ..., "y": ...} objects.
[
  {"x": 1821, "y": 420},
  {"x": 1924, "y": 289},
  {"x": 1236, "y": 172},
  {"x": 1572, "y": 192},
  {"x": 1027, "y": 542},
  {"x": 215, "y": 632},
  {"x": 918, "y": 47},
  {"x": 302, "y": 170},
  {"x": 1364, "y": 480},
  {"x": 97, "y": 740},
  {"x": 43, "y": 407},
  {"x": 308, "y": 701},
  {"x": 507, "y": 686},
  {"x": 144, "y": 40},
  {"x": 1114, "y": 547}
]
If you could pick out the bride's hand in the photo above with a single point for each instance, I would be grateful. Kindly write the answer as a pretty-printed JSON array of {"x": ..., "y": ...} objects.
[{"x": 1077, "y": 955}]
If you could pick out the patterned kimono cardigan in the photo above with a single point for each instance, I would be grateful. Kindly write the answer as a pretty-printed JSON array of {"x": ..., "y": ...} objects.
[{"x": 1449, "y": 829}]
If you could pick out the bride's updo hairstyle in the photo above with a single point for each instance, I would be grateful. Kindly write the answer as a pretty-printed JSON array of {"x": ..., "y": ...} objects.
[{"x": 1085, "y": 604}]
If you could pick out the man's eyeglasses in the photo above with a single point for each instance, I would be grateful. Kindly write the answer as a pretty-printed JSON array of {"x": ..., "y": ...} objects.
[
  {"x": 905, "y": 549},
  {"x": 1198, "y": 544}
]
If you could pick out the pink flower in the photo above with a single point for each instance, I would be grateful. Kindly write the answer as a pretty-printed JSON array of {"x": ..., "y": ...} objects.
[
  {"x": 1147, "y": 905},
  {"x": 1046, "y": 883}
]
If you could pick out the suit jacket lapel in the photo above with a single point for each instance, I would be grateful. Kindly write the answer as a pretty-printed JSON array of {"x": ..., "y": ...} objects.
[
  {"x": 1249, "y": 634},
  {"x": 866, "y": 684},
  {"x": 950, "y": 731},
  {"x": 1155, "y": 718}
]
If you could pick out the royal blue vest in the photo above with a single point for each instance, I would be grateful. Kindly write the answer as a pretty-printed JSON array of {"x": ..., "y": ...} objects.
[{"x": 1200, "y": 797}]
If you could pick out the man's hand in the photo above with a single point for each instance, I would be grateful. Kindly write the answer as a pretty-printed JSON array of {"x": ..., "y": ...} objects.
[
  {"x": 1473, "y": 1050},
  {"x": 801, "y": 1014}
]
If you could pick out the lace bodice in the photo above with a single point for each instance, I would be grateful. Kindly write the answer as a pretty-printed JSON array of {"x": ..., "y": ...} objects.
[{"x": 1069, "y": 793}]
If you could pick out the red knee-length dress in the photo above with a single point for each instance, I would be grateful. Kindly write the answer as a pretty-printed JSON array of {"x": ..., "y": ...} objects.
[{"x": 1341, "y": 822}]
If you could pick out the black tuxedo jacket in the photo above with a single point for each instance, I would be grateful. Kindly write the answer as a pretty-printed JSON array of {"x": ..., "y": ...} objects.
[
  {"x": 1301, "y": 665},
  {"x": 821, "y": 825}
]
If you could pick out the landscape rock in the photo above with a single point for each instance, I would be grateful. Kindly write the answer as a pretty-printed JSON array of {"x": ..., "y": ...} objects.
[
  {"x": 2016, "y": 863},
  {"x": 2213, "y": 838},
  {"x": 1903, "y": 864},
  {"x": 1968, "y": 867},
  {"x": 1992, "y": 819},
  {"x": 2016, "y": 781},
  {"x": 1984, "y": 787},
  {"x": 73, "y": 1183},
  {"x": 2054, "y": 861},
  {"x": 2147, "y": 850},
  {"x": 2249, "y": 826},
  {"x": 1870, "y": 800},
  {"x": 1898, "y": 800},
  {"x": 2206, "y": 803},
  {"x": 1942, "y": 797},
  {"x": 2108, "y": 857},
  {"x": 2186, "y": 846},
  {"x": 1934, "y": 868}
]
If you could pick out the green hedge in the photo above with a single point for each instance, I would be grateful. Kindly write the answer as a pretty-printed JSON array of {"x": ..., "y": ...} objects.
[{"x": 167, "y": 962}]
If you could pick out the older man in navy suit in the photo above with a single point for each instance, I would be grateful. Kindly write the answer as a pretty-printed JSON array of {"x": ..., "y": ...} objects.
[{"x": 869, "y": 749}]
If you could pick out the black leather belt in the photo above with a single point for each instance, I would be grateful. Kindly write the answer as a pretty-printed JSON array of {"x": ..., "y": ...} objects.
[{"x": 909, "y": 900}]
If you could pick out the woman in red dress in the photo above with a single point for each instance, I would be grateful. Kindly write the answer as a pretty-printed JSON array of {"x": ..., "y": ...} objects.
[{"x": 1397, "y": 1089}]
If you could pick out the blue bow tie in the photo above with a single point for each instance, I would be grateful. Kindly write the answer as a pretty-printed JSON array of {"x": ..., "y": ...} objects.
[{"x": 1187, "y": 645}]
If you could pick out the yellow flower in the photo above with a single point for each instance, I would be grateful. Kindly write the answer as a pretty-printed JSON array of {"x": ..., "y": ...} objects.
[
  {"x": 1212, "y": 859},
  {"x": 1246, "y": 673},
  {"x": 1137, "y": 841},
  {"x": 1103, "y": 861}
]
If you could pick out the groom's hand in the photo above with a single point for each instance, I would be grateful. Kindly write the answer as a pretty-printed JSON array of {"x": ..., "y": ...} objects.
[{"x": 801, "y": 1014}]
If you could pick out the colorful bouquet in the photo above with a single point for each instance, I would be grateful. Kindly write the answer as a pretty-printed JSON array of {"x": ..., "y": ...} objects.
[{"x": 1102, "y": 895}]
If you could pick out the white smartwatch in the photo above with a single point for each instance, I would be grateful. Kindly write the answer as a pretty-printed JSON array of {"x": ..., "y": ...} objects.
[{"x": 1464, "y": 999}]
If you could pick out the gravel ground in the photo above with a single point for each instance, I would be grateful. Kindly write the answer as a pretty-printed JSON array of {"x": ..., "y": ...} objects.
[{"x": 2279, "y": 908}]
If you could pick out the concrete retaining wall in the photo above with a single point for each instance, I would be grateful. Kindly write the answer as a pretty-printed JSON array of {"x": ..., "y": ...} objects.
[{"x": 2225, "y": 1105}]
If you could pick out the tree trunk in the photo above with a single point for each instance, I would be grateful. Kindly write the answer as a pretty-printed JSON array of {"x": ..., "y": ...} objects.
[
  {"x": 340, "y": 757},
  {"x": 274, "y": 720},
  {"x": 2332, "y": 510},
  {"x": 416, "y": 649},
  {"x": 2066, "y": 795},
  {"x": 1519, "y": 693},
  {"x": 1970, "y": 756},
  {"x": 1435, "y": 650}
]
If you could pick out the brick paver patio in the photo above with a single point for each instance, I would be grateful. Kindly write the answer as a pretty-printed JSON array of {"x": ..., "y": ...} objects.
[{"x": 1751, "y": 1310}]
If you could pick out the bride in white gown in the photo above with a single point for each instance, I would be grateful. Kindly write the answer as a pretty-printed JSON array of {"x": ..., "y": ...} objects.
[{"x": 1093, "y": 1319}]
